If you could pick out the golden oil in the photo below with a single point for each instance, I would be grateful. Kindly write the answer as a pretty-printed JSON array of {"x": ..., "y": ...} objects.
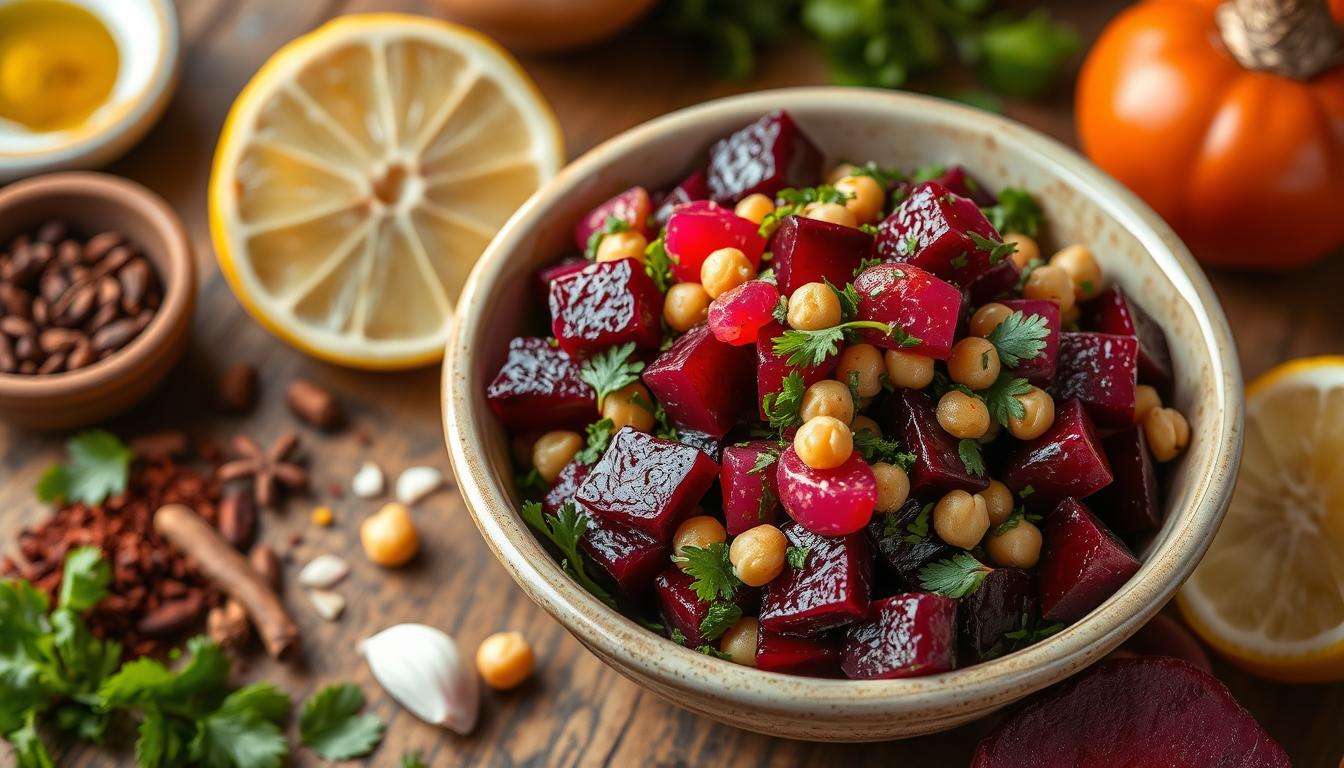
[{"x": 58, "y": 63}]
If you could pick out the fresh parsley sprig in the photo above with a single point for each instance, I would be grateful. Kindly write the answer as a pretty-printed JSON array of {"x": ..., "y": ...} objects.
[
  {"x": 565, "y": 529},
  {"x": 597, "y": 438},
  {"x": 956, "y": 576},
  {"x": 783, "y": 409},
  {"x": 1019, "y": 338},
  {"x": 99, "y": 465},
  {"x": 797, "y": 556},
  {"x": 711, "y": 571},
  {"x": 971, "y": 457},
  {"x": 792, "y": 201},
  {"x": 658, "y": 264},
  {"x": 331, "y": 725},
  {"x": 719, "y": 618},
  {"x": 610, "y": 370},
  {"x": 610, "y": 226},
  {"x": 848, "y": 296},
  {"x": 997, "y": 250},
  {"x": 1016, "y": 211},
  {"x": 807, "y": 348},
  {"x": 1001, "y": 398},
  {"x": 875, "y": 448}
]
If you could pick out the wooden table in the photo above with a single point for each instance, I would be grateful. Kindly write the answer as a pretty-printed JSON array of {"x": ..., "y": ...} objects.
[{"x": 576, "y": 711}]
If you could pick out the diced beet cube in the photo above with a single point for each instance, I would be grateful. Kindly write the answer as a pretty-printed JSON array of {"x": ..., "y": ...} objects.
[
  {"x": 1129, "y": 505},
  {"x": 646, "y": 482},
  {"x": 1082, "y": 564},
  {"x": 1065, "y": 461},
  {"x": 712, "y": 446},
  {"x": 1112, "y": 311},
  {"x": 1101, "y": 371},
  {"x": 938, "y": 467},
  {"x": 960, "y": 182},
  {"x": 692, "y": 188},
  {"x": 693, "y": 234},
  {"x": 906, "y": 541},
  {"x": 771, "y": 369},
  {"x": 539, "y": 387},
  {"x": 631, "y": 206},
  {"x": 605, "y": 304},
  {"x": 766, "y": 156},
  {"x": 907, "y": 635},
  {"x": 997, "y": 281},
  {"x": 914, "y": 300},
  {"x": 829, "y": 502},
  {"x": 564, "y": 487},
  {"x": 701, "y": 382},
  {"x": 749, "y": 498},
  {"x": 631, "y": 557},
  {"x": 1040, "y": 370},
  {"x": 810, "y": 656},
  {"x": 813, "y": 251},
  {"x": 737, "y": 316},
  {"x": 680, "y": 608},
  {"x": 829, "y": 591},
  {"x": 1005, "y": 602},
  {"x": 566, "y": 266},
  {"x": 932, "y": 229}
]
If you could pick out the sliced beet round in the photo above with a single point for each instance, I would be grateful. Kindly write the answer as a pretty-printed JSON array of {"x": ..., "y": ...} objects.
[
  {"x": 813, "y": 251},
  {"x": 538, "y": 387},
  {"x": 738, "y": 315},
  {"x": 830, "y": 502},
  {"x": 1082, "y": 564},
  {"x": 701, "y": 382},
  {"x": 915, "y": 301},
  {"x": 906, "y": 635},
  {"x": 830, "y": 590},
  {"x": 1132, "y": 713}
]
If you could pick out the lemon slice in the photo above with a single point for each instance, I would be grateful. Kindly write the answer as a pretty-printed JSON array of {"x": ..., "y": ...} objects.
[
  {"x": 361, "y": 173},
  {"x": 1269, "y": 594}
]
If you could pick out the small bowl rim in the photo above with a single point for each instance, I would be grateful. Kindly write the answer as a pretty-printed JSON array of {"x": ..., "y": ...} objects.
[
  {"x": 975, "y": 689},
  {"x": 178, "y": 277}
]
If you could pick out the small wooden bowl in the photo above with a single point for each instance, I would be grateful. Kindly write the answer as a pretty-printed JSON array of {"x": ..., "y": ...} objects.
[
  {"x": 1135, "y": 248},
  {"x": 93, "y": 203}
]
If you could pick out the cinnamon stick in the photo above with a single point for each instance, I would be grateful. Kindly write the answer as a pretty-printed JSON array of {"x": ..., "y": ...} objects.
[{"x": 217, "y": 558}]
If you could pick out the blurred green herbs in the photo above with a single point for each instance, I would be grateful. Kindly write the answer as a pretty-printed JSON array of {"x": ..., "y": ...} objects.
[{"x": 885, "y": 43}]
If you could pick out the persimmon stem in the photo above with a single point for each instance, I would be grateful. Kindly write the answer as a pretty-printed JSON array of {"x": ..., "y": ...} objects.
[{"x": 1294, "y": 38}]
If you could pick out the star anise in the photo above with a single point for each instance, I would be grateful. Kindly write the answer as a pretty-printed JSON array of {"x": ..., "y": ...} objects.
[{"x": 270, "y": 470}]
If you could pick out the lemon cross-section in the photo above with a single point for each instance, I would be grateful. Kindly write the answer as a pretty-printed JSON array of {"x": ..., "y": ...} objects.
[{"x": 362, "y": 172}]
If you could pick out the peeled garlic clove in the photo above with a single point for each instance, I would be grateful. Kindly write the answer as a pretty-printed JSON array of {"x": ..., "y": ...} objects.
[
  {"x": 324, "y": 572},
  {"x": 329, "y": 605},
  {"x": 369, "y": 481},
  {"x": 416, "y": 483},
  {"x": 421, "y": 668}
]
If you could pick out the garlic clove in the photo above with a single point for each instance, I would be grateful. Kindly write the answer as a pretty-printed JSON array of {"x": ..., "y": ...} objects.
[
  {"x": 329, "y": 605},
  {"x": 416, "y": 483},
  {"x": 324, "y": 572},
  {"x": 369, "y": 481},
  {"x": 423, "y": 670}
]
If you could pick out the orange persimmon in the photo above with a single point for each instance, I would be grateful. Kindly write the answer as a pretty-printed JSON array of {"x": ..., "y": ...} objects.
[{"x": 1231, "y": 130}]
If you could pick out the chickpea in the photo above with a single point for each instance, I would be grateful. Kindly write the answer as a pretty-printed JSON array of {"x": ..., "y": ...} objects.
[
  {"x": 553, "y": 451},
  {"x": 834, "y": 213},
  {"x": 1051, "y": 283},
  {"x": 504, "y": 660},
  {"x": 974, "y": 362},
  {"x": 724, "y": 270},
  {"x": 754, "y": 207},
  {"x": 1027, "y": 248},
  {"x": 757, "y": 554},
  {"x": 866, "y": 197},
  {"x": 813, "y": 306},
  {"x": 893, "y": 487},
  {"x": 1039, "y": 416},
  {"x": 1017, "y": 547},
  {"x": 388, "y": 536},
  {"x": 739, "y": 642},
  {"x": 960, "y": 519},
  {"x": 866, "y": 361},
  {"x": 1145, "y": 400},
  {"x": 962, "y": 415},
  {"x": 998, "y": 502},
  {"x": 840, "y": 171},
  {"x": 1168, "y": 433},
  {"x": 622, "y": 245},
  {"x": 987, "y": 318},
  {"x": 908, "y": 369},
  {"x": 1082, "y": 268},
  {"x": 824, "y": 442},
  {"x": 828, "y": 398},
  {"x": 863, "y": 423},
  {"x": 699, "y": 531},
  {"x": 686, "y": 306},
  {"x": 629, "y": 407}
]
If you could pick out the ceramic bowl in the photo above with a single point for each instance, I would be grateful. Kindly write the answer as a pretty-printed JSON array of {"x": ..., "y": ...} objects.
[
  {"x": 93, "y": 203},
  {"x": 1136, "y": 249},
  {"x": 149, "y": 44}
]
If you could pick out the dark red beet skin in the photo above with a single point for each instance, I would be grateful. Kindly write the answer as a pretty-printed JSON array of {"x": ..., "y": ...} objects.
[
  {"x": 766, "y": 156},
  {"x": 1129, "y": 505},
  {"x": 906, "y": 635},
  {"x": 1100, "y": 370},
  {"x": 539, "y": 387},
  {"x": 1040, "y": 370},
  {"x": 915, "y": 300},
  {"x": 564, "y": 487},
  {"x": 566, "y": 266},
  {"x": 701, "y": 382},
  {"x": 771, "y": 368},
  {"x": 631, "y": 557},
  {"x": 711, "y": 445},
  {"x": 605, "y": 304},
  {"x": 631, "y": 206},
  {"x": 1148, "y": 712},
  {"x": 738, "y": 315},
  {"x": 905, "y": 550},
  {"x": 680, "y": 608},
  {"x": 811, "y": 656},
  {"x": 1082, "y": 563},
  {"x": 830, "y": 502},
  {"x": 813, "y": 251},
  {"x": 749, "y": 498},
  {"x": 995, "y": 609},
  {"x": 830, "y": 590},
  {"x": 1113, "y": 312},
  {"x": 1065, "y": 461},
  {"x": 647, "y": 483},
  {"x": 959, "y": 181},
  {"x": 693, "y": 187},
  {"x": 910, "y": 417},
  {"x": 695, "y": 232},
  {"x": 931, "y": 229}
]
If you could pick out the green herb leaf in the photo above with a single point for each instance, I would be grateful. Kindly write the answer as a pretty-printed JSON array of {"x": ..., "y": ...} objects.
[
  {"x": 238, "y": 737},
  {"x": 662, "y": 424},
  {"x": 797, "y": 556},
  {"x": 764, "y": 460},
  {"x": 884, "y": 176},
  {"x": 1025, "y": 492},
  {"x": 331, "y": 724},
  {"x": 1014, "y": 519},
  {"x": 565, "y": 530},
  {"x": 532, "y": 485},
  {"x": 998, "y": 251},
  {"x": 610, "y": 226},
  {"x": 677, "y": 636},
  {"x": 808, "y": 348},
  {"x": 412, "y": 760},
  {"x": 848, "y": 297},
  {"x": 710, "y": 650},
  {"x": 711, "y": 571},
  {"x": 598, "y": 437},
  {"x": 99, "y": 466},
  {"x": 783, "y": 408},
  {"x": 1016, "y": 211},
  {"x": 1022, "y": 57},
  {"x": 1026, "y": 273},
  {"x": 719, "y": 618},
  {"x": 611, "y": 370},
  {"x": 1001, "y": 398},
  {"x": 1019, "y": 338},
  {"x": 969, "y": 451},
  {"x": 84, "y": 582},
  {"x": 956, "y": 576},
  {"x": 918, "y": 529},
  {"x": 658, "y": 264},
  {"x": 875, "y": 448}
]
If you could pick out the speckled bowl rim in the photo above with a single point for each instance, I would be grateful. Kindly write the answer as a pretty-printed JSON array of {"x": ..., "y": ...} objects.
[{"x": 982, "y": 687}]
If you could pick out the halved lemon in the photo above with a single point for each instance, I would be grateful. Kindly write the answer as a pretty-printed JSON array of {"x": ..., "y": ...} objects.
[
  {"x": 1269, "y": 595},
  {"x": 361, "y": 173}
]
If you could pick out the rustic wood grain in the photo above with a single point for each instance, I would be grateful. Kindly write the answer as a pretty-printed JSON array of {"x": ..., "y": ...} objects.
[{"x": 575, "y": 711}]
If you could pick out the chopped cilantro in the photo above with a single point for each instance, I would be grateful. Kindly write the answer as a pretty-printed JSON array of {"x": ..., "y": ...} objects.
[
  {"x": 565, "y": 529},
  {"x": 611, "y": 370},
  {"x": 1019, "y": 337},
  {"x": 1016, "y": 211},
  {"x": 719, "y": 618},
  {"x": 956, "y": 576},
  {"x": 711, "y": 571},
  {"x": 1001, "y": 398},
  {"x": 783, "y": 408},
  {"x": 598, "y": 438},
  {"x": 658, "y": 264},
  {"x": 610, "y": 226},
  {"x": 969, "y": 451},
  {"x": 797, "y": 556}
]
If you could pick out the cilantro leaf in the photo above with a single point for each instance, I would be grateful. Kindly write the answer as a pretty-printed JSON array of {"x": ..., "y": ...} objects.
[
  {"x": 565, "y": 530},
  {"x": 969, "y": 451},
  {"x": 884, "y": 176},
  {"x": 662, "y": 424},
  {"x": 658, "y": 264},
  {"x": 711, "y": 571},
  {"x": 412, "y": 760},
  {"x": 793, "y": 201},
  {"x": 147, "y": 682},
  {"x": 238, "y": 737},
  {"x": 848, "y": 297},
  {"x": 28, "y": 746},
  {"x": 764, "y": 460},
  {"x": 598, "y": 438},
  {"x": 1013, "y": 520},
  {"x": 927, "y": 173},
  {"x": 1016, "y": 211},
  {"x": 956, "y": 576},
  {"x": 807, "y": 348},
  {"x": 997, "y": 250},
  {"x": 532, "y": 485},
  {"x": 1001, "y": 398},
  {"x": 1019, "y": 337},
  {"x": 781, "y": 311},
  {"x": 85, "y": 579},
  {"x": 610, "y": 226},
  {"x": 710, "y": 650},
  {"x": 611, "y": 370},
  {"x": 331, "y": 726},
  {"x": 99, "y": 465},
  {"x": 918, "y": 529},
  {"x": 719, "y": 618},
  {"x": 783, "y": 408},
  {"x": 677, "y": 636},
  {"x": 874, "y": 448},
  {"x": 797, "y": 556}
]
